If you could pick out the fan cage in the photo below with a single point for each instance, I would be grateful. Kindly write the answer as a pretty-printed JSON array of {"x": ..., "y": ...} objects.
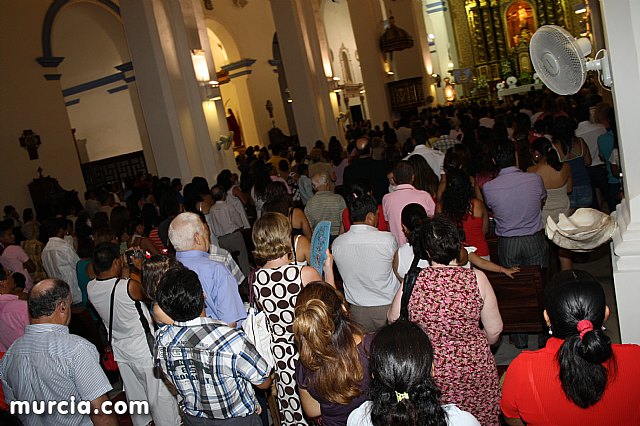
[{"x": 558, "y": 60}]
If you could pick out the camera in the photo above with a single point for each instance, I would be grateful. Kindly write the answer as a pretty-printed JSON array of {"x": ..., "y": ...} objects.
[{"x": 134, "y": 254}]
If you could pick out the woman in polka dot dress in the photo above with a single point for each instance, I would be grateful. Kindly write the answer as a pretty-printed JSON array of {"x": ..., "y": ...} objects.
[{"x": 275, "y": 288}]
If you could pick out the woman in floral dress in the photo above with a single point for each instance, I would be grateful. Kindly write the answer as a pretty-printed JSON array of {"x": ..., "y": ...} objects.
[{"x": 449, "y": 302}]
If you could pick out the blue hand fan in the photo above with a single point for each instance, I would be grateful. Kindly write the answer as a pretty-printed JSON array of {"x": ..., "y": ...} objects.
[{"x": 320, "y": 244}]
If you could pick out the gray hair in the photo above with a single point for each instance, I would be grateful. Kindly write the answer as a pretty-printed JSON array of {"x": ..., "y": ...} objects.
[
  {"x": 319, "y": 179},
  {"x": 183, "y": 229}
]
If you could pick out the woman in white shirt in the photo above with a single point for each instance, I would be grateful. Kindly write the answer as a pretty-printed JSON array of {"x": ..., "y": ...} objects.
[{"x": 402, "y": 391}]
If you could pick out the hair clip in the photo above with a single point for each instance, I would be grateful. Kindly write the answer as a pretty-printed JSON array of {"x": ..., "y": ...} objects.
[{"x": 401, "y": 396}]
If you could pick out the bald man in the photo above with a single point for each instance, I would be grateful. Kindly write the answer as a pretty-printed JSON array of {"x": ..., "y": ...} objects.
[{"x": 49, "y": 364}]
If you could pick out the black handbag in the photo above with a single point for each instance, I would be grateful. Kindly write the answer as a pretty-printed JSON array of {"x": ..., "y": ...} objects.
[{"x": 407, "y": 287}]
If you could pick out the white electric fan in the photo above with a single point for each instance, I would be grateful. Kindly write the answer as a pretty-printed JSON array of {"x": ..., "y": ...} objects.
[
  {"x": 225, "y": 141},
  {"x": 561, "y": 61}
]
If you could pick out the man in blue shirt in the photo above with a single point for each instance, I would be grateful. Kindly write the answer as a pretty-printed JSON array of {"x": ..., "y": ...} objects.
[{"x": 190, "y": 237}]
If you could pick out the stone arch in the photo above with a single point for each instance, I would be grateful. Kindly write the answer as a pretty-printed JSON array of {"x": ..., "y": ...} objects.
[{"x": 48, "y": 59}]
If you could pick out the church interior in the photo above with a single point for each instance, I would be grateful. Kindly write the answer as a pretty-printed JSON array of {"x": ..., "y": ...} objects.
[{"x": 95, "y": 93}]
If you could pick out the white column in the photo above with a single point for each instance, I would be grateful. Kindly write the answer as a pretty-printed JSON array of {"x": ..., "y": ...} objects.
[
  {"x": 302, "y": 58},
  {"x": 366, "y": 21},
  {"x": 621, "y": 20},
  {"x": 182, "y": 127}
]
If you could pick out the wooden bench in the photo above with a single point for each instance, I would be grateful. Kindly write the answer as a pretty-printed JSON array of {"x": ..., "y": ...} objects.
[{"x": 521, "y": 299}]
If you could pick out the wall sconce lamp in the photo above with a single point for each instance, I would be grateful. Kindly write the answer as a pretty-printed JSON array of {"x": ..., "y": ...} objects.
[
  {"x": 202, "y": 75},
  {"x": 200, "y": 65},
  {"x": 437, "y": 78}
]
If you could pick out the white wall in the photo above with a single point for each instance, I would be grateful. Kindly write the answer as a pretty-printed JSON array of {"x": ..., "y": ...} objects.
[
  {"x": 247, "y": 32},
  {"x": 28, "y": 101},
  {"x": 337, "y": 24},
  {"x": 92, "y": 41}
]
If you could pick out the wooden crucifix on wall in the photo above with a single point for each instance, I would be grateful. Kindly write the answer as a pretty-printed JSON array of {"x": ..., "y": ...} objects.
[{"x": 30, "y": 141}]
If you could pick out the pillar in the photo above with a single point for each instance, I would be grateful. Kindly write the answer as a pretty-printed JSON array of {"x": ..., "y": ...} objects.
[
  {"x": 182, "y": 125},
  {"x": 622, "y": 36},
  {"x": 416, "y": 61},
  {"x": 308, "y": 74},
  {"x": 366, "y": 21}
]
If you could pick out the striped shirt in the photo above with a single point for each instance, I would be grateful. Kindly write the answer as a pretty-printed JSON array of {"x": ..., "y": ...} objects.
[
  {"x": 49, "y": 364},
  {"x": 325, "y": 205},
  {"x": 212, "y": 366}
]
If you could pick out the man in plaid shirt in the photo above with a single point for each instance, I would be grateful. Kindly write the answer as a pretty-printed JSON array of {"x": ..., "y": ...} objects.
[{"x": 212, "y": 365}]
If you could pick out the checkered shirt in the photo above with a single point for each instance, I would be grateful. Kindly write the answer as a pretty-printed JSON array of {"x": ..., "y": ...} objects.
[
  {"x": 212, "y": 366},
  {"x": 220, "y": 255},
  {"x": 444, "y": 143}
]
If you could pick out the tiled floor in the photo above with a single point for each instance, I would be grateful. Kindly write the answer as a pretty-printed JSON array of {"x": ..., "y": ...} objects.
[{"x": 599, "y": 265}]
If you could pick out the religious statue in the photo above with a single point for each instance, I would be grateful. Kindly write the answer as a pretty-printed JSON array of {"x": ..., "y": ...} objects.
[
  {"x": 234, "y": 126},
  {"x": 31, "y": 142}
]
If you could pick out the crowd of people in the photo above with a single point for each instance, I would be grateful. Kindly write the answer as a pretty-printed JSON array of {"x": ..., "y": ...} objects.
[{"x": 158, "y": 276}]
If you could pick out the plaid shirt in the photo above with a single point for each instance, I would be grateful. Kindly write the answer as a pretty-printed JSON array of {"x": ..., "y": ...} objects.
[
  {"x": 444, "y": 143},
  {"x": 212, "y": 366},
  {"x": 221, "y": 255}
]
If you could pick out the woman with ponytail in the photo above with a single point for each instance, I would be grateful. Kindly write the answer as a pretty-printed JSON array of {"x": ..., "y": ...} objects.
[
  {"x": 402, "y": 391},
  {"x": 579, "y": 378},
  {"x": 558, "y": 182},
  {"x": 333, "y": 370}
]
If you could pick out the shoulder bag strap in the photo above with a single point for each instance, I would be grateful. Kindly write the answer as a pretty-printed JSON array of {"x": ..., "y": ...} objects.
[
  {"x": 252, "y": 279},
  {"x": 294, "y": 241},
  {"x": 113, "y": 294},
  {"x": 407, "y": 288}
]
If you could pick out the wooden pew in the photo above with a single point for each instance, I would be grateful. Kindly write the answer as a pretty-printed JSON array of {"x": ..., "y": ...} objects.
[{"x": 521, "y": 299}]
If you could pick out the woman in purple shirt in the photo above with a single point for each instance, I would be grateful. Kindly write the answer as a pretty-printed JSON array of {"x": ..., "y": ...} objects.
[{"x": 333, "y": 369}]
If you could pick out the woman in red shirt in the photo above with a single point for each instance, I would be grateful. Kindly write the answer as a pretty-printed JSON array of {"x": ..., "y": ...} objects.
[
  {"x": 460, "y": 205},
  {"x": 579, "y": 378}
]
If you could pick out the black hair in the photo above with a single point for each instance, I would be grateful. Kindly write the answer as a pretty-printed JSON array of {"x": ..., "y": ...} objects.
[
  {"x": 6, "y": 225},
  {"x": 224, "y": 179},
  {"x": 218, "y": 192},
  {"x": 413, "y": 217},
  {"x": 179, "y": 294},
  {"x": 400, "y": 361},
  {"x": 504, "y": 154},
  {"x": 573, "y": 296},
  {"x": 27, "y": 214},
  {"x": 191, "y": 196},
  {"x": 103, "y": 256},
  {"x": 563, "y": 131},
  {"x": 201, "y": 184},
  {"x": 438, "y": 240},
  {"x": 276, "y": 206},
  {"x": 424, "y": 178},
  {"x": 277, "y": 191},
  {"x": 8, "y": 209},
  {"x": 44, "y": 303},
  {"x": 100, "y": 220},
  {"x": 360, "y": 203},
  {"x": 19, "y": 279},
  {"x": 403, "y": 172},
  {"x": 457, "y": 197},
  {"x": 546, "y": 150}
]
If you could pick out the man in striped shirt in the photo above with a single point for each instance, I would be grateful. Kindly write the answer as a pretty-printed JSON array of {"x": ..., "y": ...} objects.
[
  {"x": 212, "y": 365},
  {"x": 49, "y": 364}
]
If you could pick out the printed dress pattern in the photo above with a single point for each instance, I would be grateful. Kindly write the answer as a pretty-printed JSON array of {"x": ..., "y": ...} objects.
[
  {"x": 446, "y": 303},
  {"x": 276, "y": 291}
]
